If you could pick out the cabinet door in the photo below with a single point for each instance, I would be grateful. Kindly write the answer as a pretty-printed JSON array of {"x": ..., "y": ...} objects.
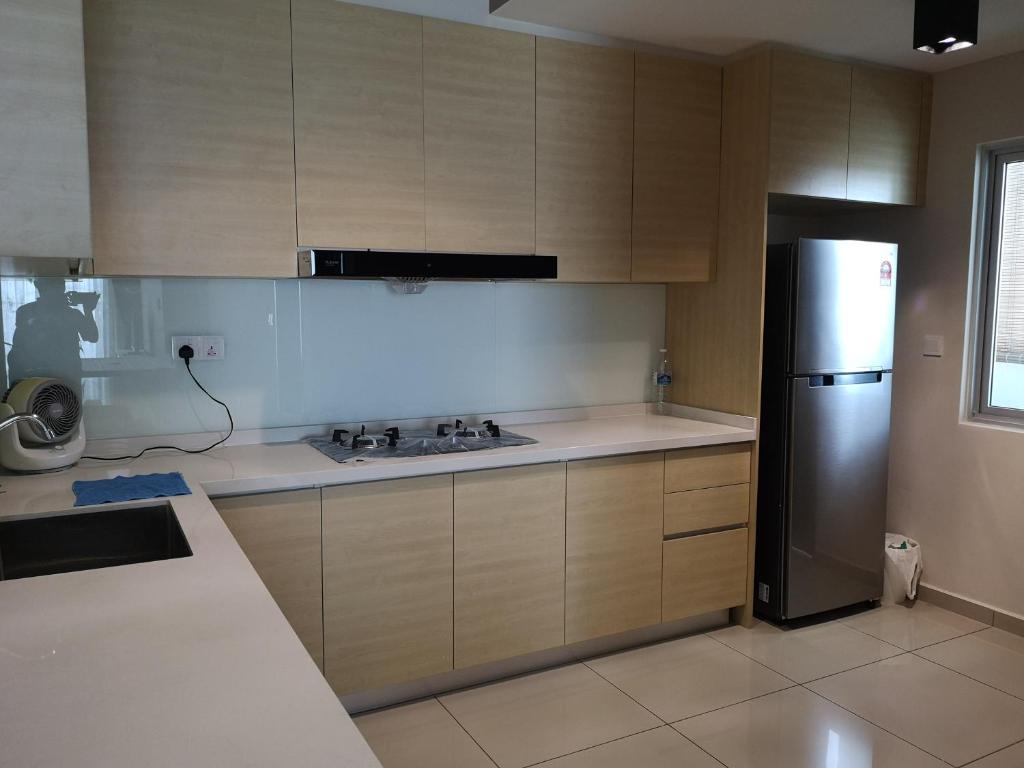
[
  {"x": 693, "y": 468},
  {"x": 358, "y": 126},
  {"x": 705, "y": 573},
  {"x": 810, "y": 125},
  {"x": 584, "y": 159},
  {"x": 190, "y": 137},
  {"x": 613, "y": 536},
  {"x": 44, "y": 167},
  {"x": 676, "y": 163},
  {"x": 387, "y": 581},
  {"x": 700, "y": 510},
  {"x": 885, "y": 133},
  {"x": 509, "y": 562},
  {"x": 280, "y": 534},
  {"x": 479, "y": 108}
]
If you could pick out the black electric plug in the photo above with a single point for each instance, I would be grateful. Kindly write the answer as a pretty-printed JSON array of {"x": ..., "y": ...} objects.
[{"x": 186, "y": 353}]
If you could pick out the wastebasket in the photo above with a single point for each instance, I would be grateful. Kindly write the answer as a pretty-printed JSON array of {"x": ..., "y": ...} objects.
[{"x": 903, "y": 565}]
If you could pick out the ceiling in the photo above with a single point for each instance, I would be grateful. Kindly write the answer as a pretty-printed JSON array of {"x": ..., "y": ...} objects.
[{"x": 872, "y": 30}]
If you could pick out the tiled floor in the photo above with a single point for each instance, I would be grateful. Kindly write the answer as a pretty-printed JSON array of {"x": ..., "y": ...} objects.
[{"x": 896, "y": 687}]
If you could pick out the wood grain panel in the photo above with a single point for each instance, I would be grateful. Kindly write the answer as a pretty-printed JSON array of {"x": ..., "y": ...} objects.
[
  {"x": 614, "y": 519},
  {"x": 509, "y": 562},
  {"x": 885, "y": 133},
  {"x": 704, "y": 573},
  {"x": 676, "y": 164},
  {"x": 44, "y": 167},
  {"x": 689, "y": 511},
  {"x": 714, "y": 329},
  {"x": 388, "y": 560},
  {"x": 585, "y": 159},
  {"x": 810, "y": 125},
  {"x": 358, "y": 126},
  {"x": 280, "y": 534},
  {"x": 694, "y": 468},
  {"x": 479, "y": 121},
  {"x": 190, "y": 137}
]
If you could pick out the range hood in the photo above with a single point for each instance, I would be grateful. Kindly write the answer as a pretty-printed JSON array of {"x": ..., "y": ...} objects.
[
  {"x": 421, "y": 266},
  {"x": 44, "y": 266}
]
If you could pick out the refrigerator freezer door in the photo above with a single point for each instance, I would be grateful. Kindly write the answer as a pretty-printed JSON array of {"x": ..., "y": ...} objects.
[
  {"x": 838, "y": 473},
  {"x": 845, "y": 306}
]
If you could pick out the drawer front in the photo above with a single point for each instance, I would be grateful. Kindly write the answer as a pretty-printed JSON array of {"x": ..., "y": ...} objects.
[
  {"x": 704, "y": 573},
  {"x": 694, "y": 468},
  {"x": 689, "y": 511}
]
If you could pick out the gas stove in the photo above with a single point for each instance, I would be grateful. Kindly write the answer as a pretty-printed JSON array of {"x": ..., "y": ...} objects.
[{"x": 392, "y": 443}]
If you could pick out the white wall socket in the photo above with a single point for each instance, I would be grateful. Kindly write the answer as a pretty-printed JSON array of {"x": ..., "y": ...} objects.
[{"x": 205, "y": 347}]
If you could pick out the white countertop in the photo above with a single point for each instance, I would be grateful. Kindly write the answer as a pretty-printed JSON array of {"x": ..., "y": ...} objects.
[{"x": 189, "y": 661}]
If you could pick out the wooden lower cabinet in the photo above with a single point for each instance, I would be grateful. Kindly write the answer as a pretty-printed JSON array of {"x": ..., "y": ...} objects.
[
  {"x": 280, "y": 534},
  {"x": 692, "y": 468},
  {"x": 614, "y": 523},
  {"x": 704, "y": 573},
  {"x": 509, "y": 562},
  {"x": 705, "y": 508},
  {"x": 388, "y": 552}
]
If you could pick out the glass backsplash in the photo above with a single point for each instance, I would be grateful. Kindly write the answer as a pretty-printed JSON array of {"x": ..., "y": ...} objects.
[{"x": 312, "y": 352}]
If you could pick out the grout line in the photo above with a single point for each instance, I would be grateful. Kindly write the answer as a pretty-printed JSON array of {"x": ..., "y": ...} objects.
[
  {"x": 949, "y": 640},
  {"x": 876, "y": 725},
  {"x": 660, "y": 719},
  {"x": 1001, "y": 749},
  {"x": 756, "y": 661},
  {"x": 466, "y": 731},
  {"x": 963, "y": 674},
  {"x": 859, "y": 666},
  {"x": 547, "y": 760},
  {"x": 734, "y": 704}
]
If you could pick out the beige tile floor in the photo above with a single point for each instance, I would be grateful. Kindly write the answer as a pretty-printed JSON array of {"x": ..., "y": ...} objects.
[{"x": 898, "y": 687}]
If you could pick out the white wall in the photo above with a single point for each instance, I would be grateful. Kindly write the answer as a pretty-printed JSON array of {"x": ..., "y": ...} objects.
[
  {"x": 313, "y": 352},
  {"x": 956, "y": 486}
]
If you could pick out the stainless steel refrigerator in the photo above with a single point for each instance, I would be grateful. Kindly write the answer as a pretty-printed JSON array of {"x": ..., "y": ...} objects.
[{"x": 825, "y": 402}]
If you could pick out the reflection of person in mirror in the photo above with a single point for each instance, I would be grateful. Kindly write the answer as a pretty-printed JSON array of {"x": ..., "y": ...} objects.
[{"x": 48, "y": 332}]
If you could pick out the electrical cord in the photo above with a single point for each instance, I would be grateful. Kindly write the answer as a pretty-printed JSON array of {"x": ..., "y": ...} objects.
[{"x": 186, "y": 353}]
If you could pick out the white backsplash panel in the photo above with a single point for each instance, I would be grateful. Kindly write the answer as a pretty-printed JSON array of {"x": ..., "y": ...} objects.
[{"x": 312, "y": 352}]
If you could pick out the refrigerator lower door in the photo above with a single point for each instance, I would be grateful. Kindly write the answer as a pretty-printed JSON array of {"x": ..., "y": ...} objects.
[{"x": 837, "y": 480}]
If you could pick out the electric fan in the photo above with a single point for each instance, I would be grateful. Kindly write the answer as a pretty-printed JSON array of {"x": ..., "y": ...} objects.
[{"x": 24, "y": 447}]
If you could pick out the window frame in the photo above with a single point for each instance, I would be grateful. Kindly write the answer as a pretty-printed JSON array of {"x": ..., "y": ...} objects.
[{"x": 993, "y": 162}]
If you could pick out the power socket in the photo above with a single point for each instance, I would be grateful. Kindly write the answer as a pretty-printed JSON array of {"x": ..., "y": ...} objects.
[{"x": 205, "y": 347}]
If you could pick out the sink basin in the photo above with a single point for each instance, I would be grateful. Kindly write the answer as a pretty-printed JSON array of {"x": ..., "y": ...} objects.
[{"x": 82, "y": 541}]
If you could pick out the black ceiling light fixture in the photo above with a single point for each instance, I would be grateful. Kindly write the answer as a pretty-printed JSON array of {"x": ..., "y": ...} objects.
[{"x": 945, "y": 25}]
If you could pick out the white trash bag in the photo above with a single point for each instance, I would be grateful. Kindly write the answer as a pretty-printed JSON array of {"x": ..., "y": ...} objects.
[{"x": 903, "y": 565}]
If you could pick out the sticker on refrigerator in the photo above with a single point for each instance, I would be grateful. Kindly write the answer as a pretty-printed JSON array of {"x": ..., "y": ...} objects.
[{"x": 885, "y": 274}]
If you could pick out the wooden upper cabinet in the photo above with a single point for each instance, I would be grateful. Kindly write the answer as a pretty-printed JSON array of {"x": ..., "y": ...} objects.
[
  {"x": 885, "y": 135},
  {"x": 479, "y": 120},
  {"x": 613, "y": 545},
  {"x": 676, "y": 159},
  {"x": 509, "y": 562},
  {"x": 190, "y": 137},
  {"x": 280, "y": 534},
  {"x": 810, "y": 125},
  {"x": 358, "y": 126},
  {"x": 44, "y": 168},
  {"x": 584, "y": 159}
]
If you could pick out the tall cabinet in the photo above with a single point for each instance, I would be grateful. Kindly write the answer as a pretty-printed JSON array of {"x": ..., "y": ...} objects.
[{"x": 44, "y": 169}]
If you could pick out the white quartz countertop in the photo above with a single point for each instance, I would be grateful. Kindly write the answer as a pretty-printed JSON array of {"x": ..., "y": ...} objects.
[{"x": 189, "y": 661}]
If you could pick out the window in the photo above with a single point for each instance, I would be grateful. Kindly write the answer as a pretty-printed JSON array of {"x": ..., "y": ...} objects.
[{"x": 999, "y": 365}]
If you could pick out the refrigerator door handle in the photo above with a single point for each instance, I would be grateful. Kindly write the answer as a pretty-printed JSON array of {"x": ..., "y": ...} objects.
[{"x": 844, "y": 379}]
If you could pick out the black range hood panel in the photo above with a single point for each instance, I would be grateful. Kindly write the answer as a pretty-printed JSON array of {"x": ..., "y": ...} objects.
[{"x": 419, "y": 265}]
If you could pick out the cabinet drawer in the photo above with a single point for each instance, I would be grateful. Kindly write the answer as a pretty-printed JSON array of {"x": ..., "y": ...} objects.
[
  {"x": 704, "y": 573},
  {"x": 715, "y": 465},
  {"x": 705, "y": 508}
]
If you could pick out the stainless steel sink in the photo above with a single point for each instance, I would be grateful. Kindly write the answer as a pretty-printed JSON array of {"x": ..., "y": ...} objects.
[{"x": 82, "y": 541}]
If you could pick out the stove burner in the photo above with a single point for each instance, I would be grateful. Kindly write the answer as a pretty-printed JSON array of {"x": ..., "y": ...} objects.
[
  {"x": 476, "y": 431},
  {"x": 389, "y": 438}
]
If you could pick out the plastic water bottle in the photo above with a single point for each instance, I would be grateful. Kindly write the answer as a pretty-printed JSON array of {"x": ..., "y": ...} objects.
[{"x": 662, "y": 380}]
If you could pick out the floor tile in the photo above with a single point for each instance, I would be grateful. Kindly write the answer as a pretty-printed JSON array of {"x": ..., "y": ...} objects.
[
  {"x": 687, "y": 677},
  {"x": 913, "y": 627},
  {"x": 548, "y": 714},
  {"x": 420, "y": 735},
  {"x": 942, "y": 712},
  {"x": 992, "y": 656},
  {"x": 660, "y": 748},
  {"x": 808, "y": 653},
  {"x": 1011, "y": 757},
  {"x": 796, "y": 729}
]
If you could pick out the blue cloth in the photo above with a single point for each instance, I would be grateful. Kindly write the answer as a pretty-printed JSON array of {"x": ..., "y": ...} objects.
[{"x": 131, "y": 488}]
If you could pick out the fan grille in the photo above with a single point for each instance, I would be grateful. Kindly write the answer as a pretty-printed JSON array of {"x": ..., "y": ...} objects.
[{"x": 58, "y": 406}]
